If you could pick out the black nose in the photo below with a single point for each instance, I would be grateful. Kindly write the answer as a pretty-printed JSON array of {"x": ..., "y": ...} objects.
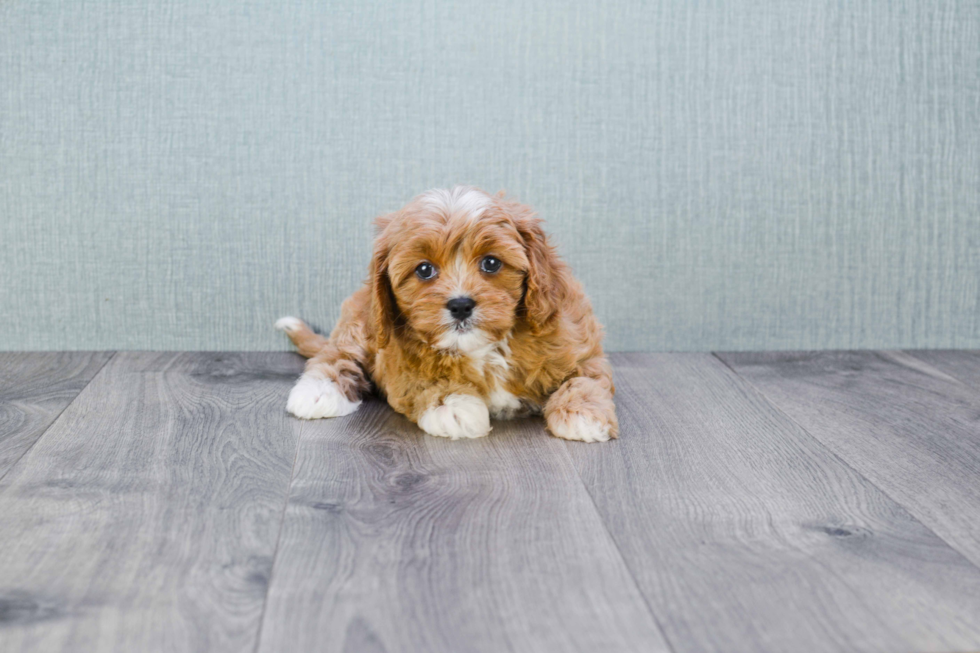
[{"x": 461, "y": 307}]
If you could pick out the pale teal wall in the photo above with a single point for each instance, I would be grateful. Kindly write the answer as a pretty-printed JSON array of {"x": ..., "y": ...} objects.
[{"x": 722, "y": 175}]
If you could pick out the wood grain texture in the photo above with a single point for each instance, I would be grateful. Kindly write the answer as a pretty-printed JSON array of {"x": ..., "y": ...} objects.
[
  {"x": 745, "y": 533},
  {"x": 174, "y": 506},
  {"x": 911, "y": 429},
  {"x": 146, "y": 518},
  {"x": 34, "y": 388},
  {"x": 960, "y": 364},
  {"x": 398, "y": 541}
]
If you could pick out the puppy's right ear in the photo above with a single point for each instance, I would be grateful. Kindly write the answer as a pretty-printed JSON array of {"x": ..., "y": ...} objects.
[
  {"x": 383, "y": 307},
  {"x": 545, "y": 282}
]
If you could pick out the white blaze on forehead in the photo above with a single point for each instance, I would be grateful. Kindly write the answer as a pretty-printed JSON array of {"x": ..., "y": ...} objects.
[
  {"x": 457, "y": 200},
  {"x": 456, "y": 272}
]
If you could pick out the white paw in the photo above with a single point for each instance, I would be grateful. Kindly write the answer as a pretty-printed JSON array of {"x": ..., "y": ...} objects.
[
  {"x": 313, "y": 398},
  {"x": 288, "y": 323},
  {"x": 582, "y": 428},
  {"x": 459, "y": 416}
]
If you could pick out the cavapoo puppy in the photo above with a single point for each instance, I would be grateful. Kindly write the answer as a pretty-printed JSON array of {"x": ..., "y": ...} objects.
[{"x": 468, "y": 314}]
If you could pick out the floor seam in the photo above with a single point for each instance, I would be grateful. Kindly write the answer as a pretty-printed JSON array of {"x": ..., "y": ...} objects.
[
  {"x": 275, "y": 550},
  {"x": 911, "y": 353},
  {"x": 21, "y": 457},
  {"x": 848, "y": 465},
  {"x": 619, "y": 551}
]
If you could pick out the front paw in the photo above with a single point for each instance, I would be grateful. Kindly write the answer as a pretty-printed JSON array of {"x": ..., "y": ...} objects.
[
  {"x": 580, "y": 426},
  {"x": 582, "y": 410},
  {"x": 459, "y": 416},
  {"x": 314, "y": 398}
]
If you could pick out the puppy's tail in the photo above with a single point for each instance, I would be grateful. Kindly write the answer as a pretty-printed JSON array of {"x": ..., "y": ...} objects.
[{"x": 306, "y": 340}]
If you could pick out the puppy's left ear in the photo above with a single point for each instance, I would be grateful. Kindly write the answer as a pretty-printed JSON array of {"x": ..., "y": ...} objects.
[
  {"x": 546, "y": 283},
  {"x": 384, "y": 308}
]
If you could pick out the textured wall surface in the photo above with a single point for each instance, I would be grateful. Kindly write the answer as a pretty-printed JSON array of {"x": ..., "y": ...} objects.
[{"x": 722, "y": 175}]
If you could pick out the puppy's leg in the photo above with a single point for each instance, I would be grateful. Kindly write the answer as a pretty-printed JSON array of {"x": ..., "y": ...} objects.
[
  {"x": 334, "y": 380},
  {"x": 331, "y": 386},
  {"x": 443, "y": 410},
  {"x": 457, "y": 416},
  {"x": 582, "y": 407}
]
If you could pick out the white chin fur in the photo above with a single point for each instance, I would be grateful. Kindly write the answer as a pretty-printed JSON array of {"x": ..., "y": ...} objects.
[
  {"x": 459, "y": 416},
  {"x": 472, "y": 342},
  {"x": 314, "y": 398},
  {"x": 580, "y": 428},
  {"x": 288, "y": 323}
]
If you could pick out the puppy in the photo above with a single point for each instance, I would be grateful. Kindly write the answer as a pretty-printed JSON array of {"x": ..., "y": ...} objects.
[{"x": 468, "y": 313}]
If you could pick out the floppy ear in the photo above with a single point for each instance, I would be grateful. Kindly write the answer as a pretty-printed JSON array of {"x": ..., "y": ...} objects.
[
  {"x": 545, "y": 287},
  {"x": 383, "y": 306}
]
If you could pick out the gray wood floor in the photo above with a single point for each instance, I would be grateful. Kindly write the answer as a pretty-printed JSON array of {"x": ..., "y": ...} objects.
[{"x": 755, "y": 502}]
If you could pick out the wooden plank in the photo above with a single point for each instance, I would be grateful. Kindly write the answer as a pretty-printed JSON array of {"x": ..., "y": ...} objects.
[
  {"x": 146, "y": 519},
  {"x": 34, "y": 388},
  {"x": 909, "y": 428},
  {"x": 960, "y": 364},
  {"x": 746, "y": 534},
  {"x": 398, "y": 541}
]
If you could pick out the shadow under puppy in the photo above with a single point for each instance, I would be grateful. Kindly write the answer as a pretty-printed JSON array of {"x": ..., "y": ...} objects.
[{"x": 468, "y": 314}]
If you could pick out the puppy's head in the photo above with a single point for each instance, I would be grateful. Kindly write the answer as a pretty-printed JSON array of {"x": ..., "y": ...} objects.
[{"x": 459, "y": 268}]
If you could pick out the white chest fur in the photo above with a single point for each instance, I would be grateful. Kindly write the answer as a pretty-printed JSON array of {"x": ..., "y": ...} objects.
[
  {"x": 495, "y": 364},
  {"x": 504, "y": 405}
]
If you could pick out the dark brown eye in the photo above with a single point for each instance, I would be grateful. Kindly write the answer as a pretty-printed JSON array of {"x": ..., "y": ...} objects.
[
  {"x": 490, "y": 264},
  {"x": 425, "y": 271}
]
